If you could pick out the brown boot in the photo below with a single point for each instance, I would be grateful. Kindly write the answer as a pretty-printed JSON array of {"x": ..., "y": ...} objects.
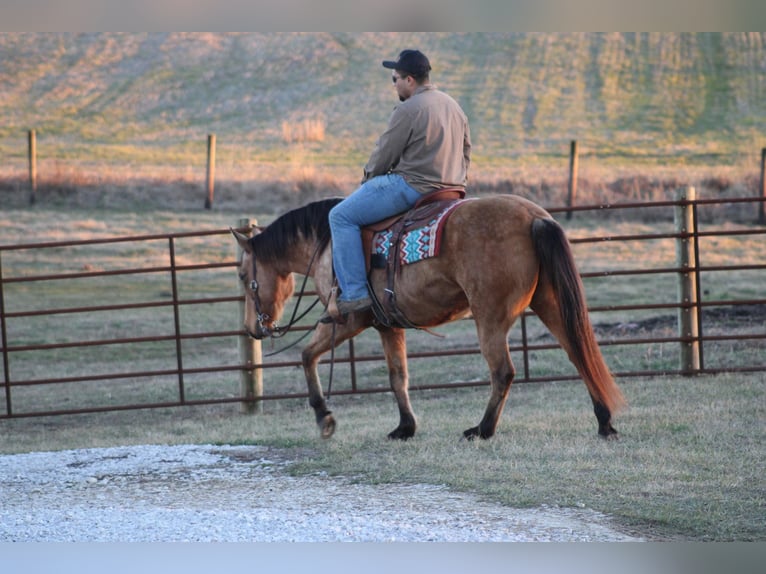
[{"x": 346, "y": 307}]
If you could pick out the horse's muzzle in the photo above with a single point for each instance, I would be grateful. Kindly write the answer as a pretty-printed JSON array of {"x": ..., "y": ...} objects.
[{"x": 261, "y": 332}]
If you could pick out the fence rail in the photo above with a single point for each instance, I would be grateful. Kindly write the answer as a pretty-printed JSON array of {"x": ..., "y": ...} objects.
[{"x": 165, "y": 369}]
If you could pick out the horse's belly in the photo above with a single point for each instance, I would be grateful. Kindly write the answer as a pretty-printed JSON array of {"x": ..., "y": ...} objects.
[{"x": 424, "y": 292}]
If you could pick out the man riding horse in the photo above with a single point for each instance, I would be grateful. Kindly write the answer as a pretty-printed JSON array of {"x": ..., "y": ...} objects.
[
  {"x": 497, "y": 256},
  {"x": 426, "y": 148}
]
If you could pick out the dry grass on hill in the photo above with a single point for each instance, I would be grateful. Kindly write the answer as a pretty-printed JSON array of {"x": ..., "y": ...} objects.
[{"x": 276, "y": 188}]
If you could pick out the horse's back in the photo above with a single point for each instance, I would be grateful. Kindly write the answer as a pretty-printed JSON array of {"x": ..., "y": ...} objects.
[
  {"x": 486, "y": 250},
  {"x": 512, "y": 209},
  {"x": 493, "y": 221}
]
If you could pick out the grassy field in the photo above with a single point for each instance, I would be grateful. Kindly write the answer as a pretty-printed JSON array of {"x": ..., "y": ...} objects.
[
  {"x": 146, "y": 98},
  {"x": 131, "y": 113},
  {"x": 689, "y": 466}
]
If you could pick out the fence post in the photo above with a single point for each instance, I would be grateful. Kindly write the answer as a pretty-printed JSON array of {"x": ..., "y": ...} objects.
[
  {"x": 176, "y": 320},
  {"x": 32, "y": 152},
  {"x": 250, "y": 353},
  {"x": 210, "y": 170},
  {"x": 4, "y": 341},
  {"x": 352, "y": 363},
  {"x": 572, "y": 177},
  {"x": 525, "y": 345},
  {"x": 762, "y": 205},
  {"x": 686, "y": 261}
]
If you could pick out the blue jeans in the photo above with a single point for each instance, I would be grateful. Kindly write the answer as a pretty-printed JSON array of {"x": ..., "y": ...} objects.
[{"x": 377, "y": 199}]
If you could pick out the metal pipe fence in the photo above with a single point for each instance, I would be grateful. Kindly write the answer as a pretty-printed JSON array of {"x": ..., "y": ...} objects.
[{"x": 76, "y": 357}]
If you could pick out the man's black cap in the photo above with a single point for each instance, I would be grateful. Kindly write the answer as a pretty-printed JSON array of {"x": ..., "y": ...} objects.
[{"x": 410, "y": 61}]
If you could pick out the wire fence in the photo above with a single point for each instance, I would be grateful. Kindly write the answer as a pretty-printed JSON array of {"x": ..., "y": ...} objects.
[{"x": 83, "y": 332}]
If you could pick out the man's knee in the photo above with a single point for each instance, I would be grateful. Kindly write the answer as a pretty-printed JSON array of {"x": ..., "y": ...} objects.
[
  {"x": 343, "y": 215},
  {"x": 336, "y": 216}
]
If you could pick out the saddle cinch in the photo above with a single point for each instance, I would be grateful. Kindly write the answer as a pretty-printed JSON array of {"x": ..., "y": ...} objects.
[{"x": 402, "y": 239}]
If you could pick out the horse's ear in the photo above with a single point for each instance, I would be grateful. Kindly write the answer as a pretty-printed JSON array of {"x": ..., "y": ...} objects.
[{"x": 242, "y": 239}]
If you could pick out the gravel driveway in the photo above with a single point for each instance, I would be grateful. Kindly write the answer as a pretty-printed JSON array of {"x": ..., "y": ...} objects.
[{"x": 242, "y": 493}]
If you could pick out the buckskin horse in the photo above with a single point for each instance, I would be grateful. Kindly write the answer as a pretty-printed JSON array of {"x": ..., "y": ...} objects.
[{"x": 498, "y": 256}]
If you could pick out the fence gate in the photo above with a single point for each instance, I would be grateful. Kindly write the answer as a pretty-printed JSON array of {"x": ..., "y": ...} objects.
[{"x": 156, "y": 320}]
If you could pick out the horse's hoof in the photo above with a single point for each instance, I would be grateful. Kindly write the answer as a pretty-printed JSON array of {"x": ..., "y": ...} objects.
[
  {"x": 401, "y": 434},
  {"x": 327, "y": 426},
  {"x": 608, "y": 433},
  {"x": 474, "y": 432}
]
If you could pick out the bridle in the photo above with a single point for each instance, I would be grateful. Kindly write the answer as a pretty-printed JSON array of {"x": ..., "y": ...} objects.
[
  {"x": 262, "y": 318},
  {"x": 276, "y": 331}
]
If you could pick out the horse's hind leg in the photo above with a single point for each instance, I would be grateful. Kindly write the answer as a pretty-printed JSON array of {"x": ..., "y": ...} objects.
[
  {"x": 395, "y": 348},
  {"x": 604, "y": 418},
  {"x": 546, "y": 307},
  {"x": 494, "y": 348}
]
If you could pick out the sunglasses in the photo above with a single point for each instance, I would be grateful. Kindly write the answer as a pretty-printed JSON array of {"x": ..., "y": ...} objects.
[{"x": 395, "y": 79}]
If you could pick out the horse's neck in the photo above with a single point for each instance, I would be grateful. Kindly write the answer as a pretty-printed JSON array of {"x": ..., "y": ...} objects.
[
  {"x": 303, "y": 259},
  {"x": 321, "y": 270}
]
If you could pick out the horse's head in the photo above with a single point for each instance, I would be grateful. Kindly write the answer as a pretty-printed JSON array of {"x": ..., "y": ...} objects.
[{"x": 266, "y": 289}]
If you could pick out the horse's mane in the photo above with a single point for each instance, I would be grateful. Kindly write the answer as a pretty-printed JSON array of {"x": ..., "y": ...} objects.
[{"x": 307, "y": 223}]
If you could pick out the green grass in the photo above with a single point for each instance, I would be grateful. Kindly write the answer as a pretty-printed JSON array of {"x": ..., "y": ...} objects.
[{"x": 689, "y": 464}]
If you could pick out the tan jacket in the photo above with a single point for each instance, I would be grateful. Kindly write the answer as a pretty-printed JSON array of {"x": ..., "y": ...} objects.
[{"x": 427, "y": 142}]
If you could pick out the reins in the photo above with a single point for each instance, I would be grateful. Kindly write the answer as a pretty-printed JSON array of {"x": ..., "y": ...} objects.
[{"x": 279, "y": 332}]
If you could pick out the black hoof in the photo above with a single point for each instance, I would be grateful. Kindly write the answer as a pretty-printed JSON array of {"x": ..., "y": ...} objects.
[
  {"x": 471, "y": 433},
  {"x": 401, "y": 434},
  {"x": 608, "y": 432},
  {"x": 474, "y": 432}
]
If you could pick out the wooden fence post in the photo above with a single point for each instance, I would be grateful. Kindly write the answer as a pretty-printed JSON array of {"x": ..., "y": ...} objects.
[
  {"x": 572, "y": 176},
  {"x": 762, "y": 205},
  {"x": 250, "y": 352},
  {"x": 210, "y": 170},
  {"x": 32, "y": 137},
  {"x": 688, "y": 327}
]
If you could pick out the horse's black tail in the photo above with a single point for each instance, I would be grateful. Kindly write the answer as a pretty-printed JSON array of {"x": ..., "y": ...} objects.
[{"x": 557, "y": 264}]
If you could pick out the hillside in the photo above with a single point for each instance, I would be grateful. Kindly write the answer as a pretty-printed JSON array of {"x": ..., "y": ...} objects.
[{"x": 138, "y": 100}]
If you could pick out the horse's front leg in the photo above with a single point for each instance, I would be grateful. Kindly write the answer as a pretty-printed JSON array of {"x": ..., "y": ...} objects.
[
  {"x": 395, "y": 349},
  {"x": 320, "y": 343}
]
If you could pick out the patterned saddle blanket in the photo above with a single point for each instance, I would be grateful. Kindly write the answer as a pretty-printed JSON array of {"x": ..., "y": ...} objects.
[
  {"x": 403, "y": 240},
  {"x": 420, "y": 239},
  {"x": 413, "y": 236}
]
